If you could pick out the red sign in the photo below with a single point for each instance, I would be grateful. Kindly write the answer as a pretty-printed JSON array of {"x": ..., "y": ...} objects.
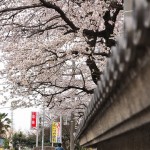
[{"x": 33, "y": 119}]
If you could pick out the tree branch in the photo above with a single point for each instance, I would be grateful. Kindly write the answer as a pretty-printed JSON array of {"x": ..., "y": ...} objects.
[
  {"x": 62, "y": 14},
  {"x": 20, "y": 8}
]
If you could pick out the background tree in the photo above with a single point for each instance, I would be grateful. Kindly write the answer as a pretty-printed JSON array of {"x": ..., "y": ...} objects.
[
  {"x": 23, "y": 140},
  {"x": 57, "y": 49},
  {"x": 6, "y": 143},
  {"x": 66, "y": 137},
  {"x": 31, "y": 140},
  {"x": 4, "y": 123},
  {"x": 19, "y": 140}
]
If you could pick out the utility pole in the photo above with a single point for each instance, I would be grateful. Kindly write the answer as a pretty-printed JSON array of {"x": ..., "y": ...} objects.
[
  {"x": 72, "y": 122},
  {"x": 43, "y": 125},
  {"x": 72, "y": 130},
  {"x": 50, "y": 137},
  {"x": 37, "y": 130},
  {"x": 12, "y": 126},
  {"x": 60, "y": 128}
]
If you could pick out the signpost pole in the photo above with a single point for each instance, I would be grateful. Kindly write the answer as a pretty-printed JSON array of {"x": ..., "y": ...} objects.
[
  {"x": 37, "y": 130},
  {"x": 43, "y": 126},
  {"x": 60, "y": 128},
  {"x": 12, "y": 124}
]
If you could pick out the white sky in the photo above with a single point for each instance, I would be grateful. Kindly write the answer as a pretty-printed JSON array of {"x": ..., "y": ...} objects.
[{"x": 21, "y": 117}]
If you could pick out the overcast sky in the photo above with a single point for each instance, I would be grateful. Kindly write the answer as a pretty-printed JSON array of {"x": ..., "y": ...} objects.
[{"x": 21, "y": 117}]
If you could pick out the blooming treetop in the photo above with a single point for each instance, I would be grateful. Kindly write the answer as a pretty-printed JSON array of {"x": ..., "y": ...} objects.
[{"x": 57, "y": 49}]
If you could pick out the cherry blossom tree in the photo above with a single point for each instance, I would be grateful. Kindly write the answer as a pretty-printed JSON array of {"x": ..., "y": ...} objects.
[{"x": 56, "y": 49}]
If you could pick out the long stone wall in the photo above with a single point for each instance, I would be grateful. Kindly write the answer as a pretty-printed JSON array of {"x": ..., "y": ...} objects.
[
  {"x": 137, "y": 139},
  {"x": 120, "y": 107}
]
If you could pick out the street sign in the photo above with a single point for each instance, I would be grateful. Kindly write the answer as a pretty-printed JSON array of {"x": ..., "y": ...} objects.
[
  {"x": 56, "y": 132},
  {"x": 33, "y": 120}
]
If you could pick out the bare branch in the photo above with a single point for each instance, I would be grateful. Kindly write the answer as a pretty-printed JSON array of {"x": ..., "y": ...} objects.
[
  {"x": 62, "y": 14},
  {"x": 20, "y": 8}
]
